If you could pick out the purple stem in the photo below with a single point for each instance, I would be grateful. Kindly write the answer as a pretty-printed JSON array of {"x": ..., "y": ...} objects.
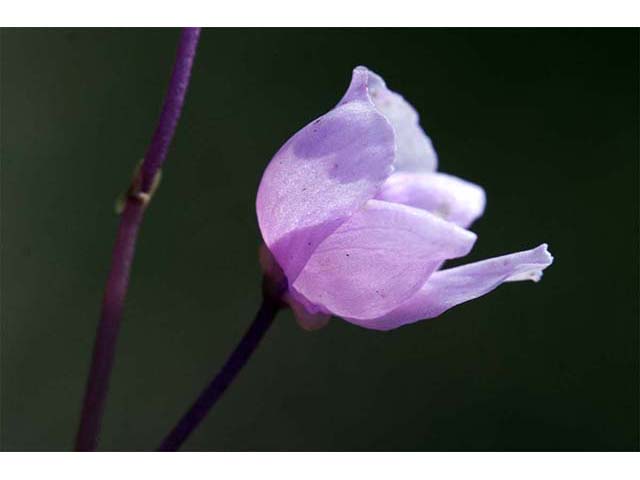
[
  {"x": 124, "y": 248},
  {"x": 173, "y": 101},
  {"x": 218, "y": 385}
]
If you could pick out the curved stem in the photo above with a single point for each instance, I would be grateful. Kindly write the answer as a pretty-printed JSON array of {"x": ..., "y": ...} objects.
[
  {"x": 124, "y": 248},
  {"x": 171, "y": 108},
  {"x": 212, "y": 393}
]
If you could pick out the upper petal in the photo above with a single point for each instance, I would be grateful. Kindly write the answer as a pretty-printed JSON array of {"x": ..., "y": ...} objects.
[
  {"x": 448, "y": 288},
  {"x": 449, "y": 197},
  {"x": 377, "y": 259},
  {"x": 415, "y": 151},
  {"x": 322, "y": 175}
]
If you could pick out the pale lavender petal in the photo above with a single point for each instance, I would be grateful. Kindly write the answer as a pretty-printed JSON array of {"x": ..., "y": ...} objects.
[
  {"x": 449, "y": 197},
  {"x": 322, "y": 175},
  {"x": 377, "y": 259},
  {"x": 415, "y": 151},
  {"x": 448, "y": 288}
]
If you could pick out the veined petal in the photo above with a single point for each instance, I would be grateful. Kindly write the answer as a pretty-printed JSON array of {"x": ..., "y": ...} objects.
[
  {"x": 378, "y": 259},
  {"x": 448, "y": 288},
  {"x": 449, "y": 197},
  {"x": 415, "y": 151},
  {"x": 323, "y": 175}
]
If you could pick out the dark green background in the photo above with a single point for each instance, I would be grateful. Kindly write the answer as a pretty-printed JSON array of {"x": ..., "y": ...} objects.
[{"x": 546, "y": 120}]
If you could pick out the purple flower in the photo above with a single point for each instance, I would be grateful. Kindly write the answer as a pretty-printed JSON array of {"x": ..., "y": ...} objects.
[{"x": 355, "y": 215}]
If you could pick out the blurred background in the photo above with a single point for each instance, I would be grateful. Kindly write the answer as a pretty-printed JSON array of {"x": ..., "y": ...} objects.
[{"x": 546, "y": 120}]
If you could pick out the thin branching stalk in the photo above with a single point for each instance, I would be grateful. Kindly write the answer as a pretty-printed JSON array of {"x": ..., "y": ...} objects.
[{"x": 131, "y": 215}]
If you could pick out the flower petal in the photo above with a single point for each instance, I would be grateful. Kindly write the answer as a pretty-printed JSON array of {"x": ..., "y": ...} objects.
[
  {"x": 377, "y": 259},
  {"x": 449, "y": 197},
  {"x": 322, "y": 175},
  {"x": 415, "y": 150},
  {"x": 448, "y": 288}
]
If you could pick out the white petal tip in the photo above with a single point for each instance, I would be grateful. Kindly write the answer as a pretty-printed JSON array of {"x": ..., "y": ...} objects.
[
  {"x": 545, "y": 255},
  {"x": 532, "y": 269}
]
